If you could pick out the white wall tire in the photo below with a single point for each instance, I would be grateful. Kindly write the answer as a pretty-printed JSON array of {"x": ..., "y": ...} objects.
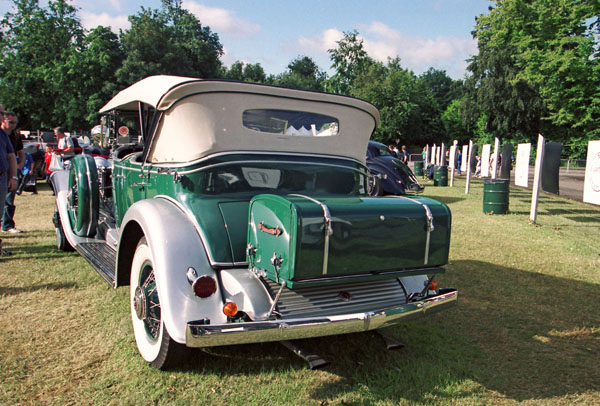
[{"x": 152, "y": 338}]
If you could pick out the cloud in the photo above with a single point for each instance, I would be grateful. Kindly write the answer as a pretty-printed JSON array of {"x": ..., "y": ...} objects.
[
  {"x": 416, "y": 53},
  {"x": 327, "y": 40},
  {"x": 93, "y": 5},
  {"x": 419, "y": 53},
  {"x": 221, "y": 20},
  {"x": 92, "y": 20}
]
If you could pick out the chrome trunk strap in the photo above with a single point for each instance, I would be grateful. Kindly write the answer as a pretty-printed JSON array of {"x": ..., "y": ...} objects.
[
  {"x": 328, "y": 229},
  {"x": 430, "y": 226}
]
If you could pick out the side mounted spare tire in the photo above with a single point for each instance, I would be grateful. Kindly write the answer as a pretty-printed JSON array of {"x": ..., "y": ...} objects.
[{"x": 83, "y": 196}]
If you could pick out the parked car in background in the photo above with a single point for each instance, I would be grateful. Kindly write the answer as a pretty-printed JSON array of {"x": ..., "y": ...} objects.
[
  {"x": 390, "y": 176},
  {"x": 242, "y": 216}
]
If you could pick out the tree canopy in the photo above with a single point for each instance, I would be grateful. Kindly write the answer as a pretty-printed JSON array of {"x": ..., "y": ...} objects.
[{"x": 537, "y": 70}]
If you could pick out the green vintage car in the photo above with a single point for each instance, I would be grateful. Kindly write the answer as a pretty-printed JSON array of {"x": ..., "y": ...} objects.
[{"x": 242, "y": 215}]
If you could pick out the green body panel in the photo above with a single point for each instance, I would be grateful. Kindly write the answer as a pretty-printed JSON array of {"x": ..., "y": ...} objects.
[
  {"x": 222, "y": 216},
  {"x": 361, "y": 241},
  {"x": 370, "y": 235}
]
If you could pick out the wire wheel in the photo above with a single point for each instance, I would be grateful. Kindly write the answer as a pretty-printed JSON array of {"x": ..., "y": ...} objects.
[{"x": 152, "y": 338}]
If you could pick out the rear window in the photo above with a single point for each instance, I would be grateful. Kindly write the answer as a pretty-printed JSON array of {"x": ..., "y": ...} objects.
[{"x": 289, "y": 122}]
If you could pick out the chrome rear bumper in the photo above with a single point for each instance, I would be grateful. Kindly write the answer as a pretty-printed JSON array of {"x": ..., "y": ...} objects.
[{"x": 207, "y": 335}]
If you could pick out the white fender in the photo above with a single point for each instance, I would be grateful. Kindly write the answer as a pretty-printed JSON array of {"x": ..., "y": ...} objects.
[
  {"x": 244, "y": 289},
  {"x": 414, "y": 284},
  {"x": 175, "y": 246}
]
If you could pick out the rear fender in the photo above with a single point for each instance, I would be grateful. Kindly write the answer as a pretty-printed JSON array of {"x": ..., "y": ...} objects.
[
  {"x": 175, "y": 246},
  {"x": 389, "y": 183},
  {"x": 414, "y": 284},
  {"x": 243, "y": 288},
  {"x": 60, "y": 183}
]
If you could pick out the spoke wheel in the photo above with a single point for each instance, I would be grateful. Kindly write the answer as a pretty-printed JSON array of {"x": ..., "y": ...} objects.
[
  {"x": 374, "y": 185},
  {"x": 83, "y": 196},
  {"x": 151, "y": 336}
]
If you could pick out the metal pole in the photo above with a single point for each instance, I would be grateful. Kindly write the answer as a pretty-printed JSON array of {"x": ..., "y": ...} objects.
[
  {"x": 537, "y": 174},
  {"x": 469, "y": 167}
]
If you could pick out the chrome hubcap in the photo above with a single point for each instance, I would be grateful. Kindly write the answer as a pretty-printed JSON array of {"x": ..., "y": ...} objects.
[{"x": 139, "y": 303}]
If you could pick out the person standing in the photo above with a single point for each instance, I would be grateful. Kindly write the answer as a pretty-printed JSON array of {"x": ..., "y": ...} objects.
[
  {"x": 8, "y": 172},
  {"x": 27, "y": 175},
  {"x": 404, "y": 155},
  {"x": 66, "y": 146},
  {"x": 9, "y": 125}
]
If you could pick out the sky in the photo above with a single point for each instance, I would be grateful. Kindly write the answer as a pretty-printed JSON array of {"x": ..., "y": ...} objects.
[{"x": 423, "y": 33}]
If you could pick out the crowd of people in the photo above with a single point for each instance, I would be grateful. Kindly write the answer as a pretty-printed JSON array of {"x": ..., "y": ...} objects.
[{"x": 17, "y": 169}]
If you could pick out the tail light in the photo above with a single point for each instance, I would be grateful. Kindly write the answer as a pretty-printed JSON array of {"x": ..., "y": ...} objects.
[
  {"x": 204, "y": 287},
  {"x": 230, "y": 309}
]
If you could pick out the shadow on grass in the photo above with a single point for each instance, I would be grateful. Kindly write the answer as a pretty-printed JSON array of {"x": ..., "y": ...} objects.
[
  {"x": 574, "y": 211},
  {"x": 446, "y": 199},
  {"x": 8, "y": 291},
  {"x": 584, "y": 219},
  {"x": 524, "y": 335}
]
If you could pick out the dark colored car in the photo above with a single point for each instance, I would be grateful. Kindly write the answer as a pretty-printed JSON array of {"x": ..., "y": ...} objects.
[{"x": 390, "y": 175}]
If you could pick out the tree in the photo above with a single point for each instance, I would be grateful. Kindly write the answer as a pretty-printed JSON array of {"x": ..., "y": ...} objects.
[
  {"x": 442, "y": 87},
  {"x": 349, "y": 59},
  {"x": 90, "y": 78},
  {"x": 538, "y": 64},
  {"x": 36, "y": 45},
  {"x": 245, "y": 72},
  {"x": 302, "y": 73},
  {"x": 169, "y": 41},
  {"x": 408, "y": 111}
]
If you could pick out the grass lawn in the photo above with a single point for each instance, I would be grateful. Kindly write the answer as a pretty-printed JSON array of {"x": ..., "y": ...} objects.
[{"x": 526, "y": 329}]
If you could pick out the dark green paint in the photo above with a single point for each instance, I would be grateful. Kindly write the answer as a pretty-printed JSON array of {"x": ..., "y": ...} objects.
[
  {"x": 370, "y": 235},
  {"x": 361, "y": 241}
]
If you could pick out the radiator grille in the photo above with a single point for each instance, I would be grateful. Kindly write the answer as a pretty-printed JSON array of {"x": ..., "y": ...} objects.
[{"x": 338, "y": 299}]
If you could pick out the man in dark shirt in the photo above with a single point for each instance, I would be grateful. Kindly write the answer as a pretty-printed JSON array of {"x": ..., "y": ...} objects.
[
  {"x": 8, "y": 171},
  {"x": 9, "y": 125}
]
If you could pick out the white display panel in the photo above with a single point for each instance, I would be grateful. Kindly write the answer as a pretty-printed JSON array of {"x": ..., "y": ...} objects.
[
  {"x": 591, "y": 188},
  {"x": 485, "y": 160},
  {"x": 522, "y": 166}
]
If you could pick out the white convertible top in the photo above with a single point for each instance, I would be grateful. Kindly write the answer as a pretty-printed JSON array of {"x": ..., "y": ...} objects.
[{"x": 203, "y": 117}]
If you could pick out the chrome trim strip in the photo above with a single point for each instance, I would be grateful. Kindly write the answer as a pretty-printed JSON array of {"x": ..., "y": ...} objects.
[
  {"x": 193, "y": 221},
  {"x": 191, "y": 163},
  {"x": 430, "y": 226},
  {"x": 218, "y": 154},
  {"x": 328, "y": 229},
  {"x": 207, "y": 335},
  {"x": 89, "y": 185}
]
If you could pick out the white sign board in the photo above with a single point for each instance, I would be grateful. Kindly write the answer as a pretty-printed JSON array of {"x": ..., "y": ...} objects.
[
  {"x": 591, "y": 188},
  {"x": 485, "y": 160},
  {"x": 465, "y": 158},
  {"x": 452, "y": 163},
  {"x": 522, "y": 167}
]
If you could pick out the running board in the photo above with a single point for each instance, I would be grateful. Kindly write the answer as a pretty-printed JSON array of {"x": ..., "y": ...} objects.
[
  {"x": 314, "y": 361},
  {"x": 102, "y": 257}
]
